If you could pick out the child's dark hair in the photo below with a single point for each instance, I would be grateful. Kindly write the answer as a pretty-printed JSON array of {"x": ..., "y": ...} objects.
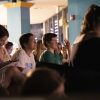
[
  {"x": 42, "y": 83},
  {"x": 8, "y": 45},
  {"x": 48, "y": 37},
  {"x": 3, "y": 31},
  {"x": 24, "y": 39}
]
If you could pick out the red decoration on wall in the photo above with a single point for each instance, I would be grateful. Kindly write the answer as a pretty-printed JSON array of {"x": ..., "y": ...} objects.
[{"x": 72, "y": 17}]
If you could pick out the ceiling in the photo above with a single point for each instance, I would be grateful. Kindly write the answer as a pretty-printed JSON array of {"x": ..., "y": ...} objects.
[{"x": 44, "y": 9}]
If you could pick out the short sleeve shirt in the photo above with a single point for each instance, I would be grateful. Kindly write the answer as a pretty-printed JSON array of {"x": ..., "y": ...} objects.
[
  {"x": 49, "y": 57},
  {"x": 26, "y": 62}
]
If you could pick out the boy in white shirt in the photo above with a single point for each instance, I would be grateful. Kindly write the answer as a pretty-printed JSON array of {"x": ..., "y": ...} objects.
[{"x": 25, "y": 57}]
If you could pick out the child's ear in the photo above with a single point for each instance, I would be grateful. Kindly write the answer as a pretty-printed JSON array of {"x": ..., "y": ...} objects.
[
  {"x": 47, "y": 44},
  {"x": 25, "y": 45}
]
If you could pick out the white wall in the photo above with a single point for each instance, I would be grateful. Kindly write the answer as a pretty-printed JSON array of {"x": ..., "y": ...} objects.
[{"x": 3, "y": 15}]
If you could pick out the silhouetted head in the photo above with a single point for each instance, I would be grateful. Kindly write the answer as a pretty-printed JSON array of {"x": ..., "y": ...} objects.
[
  {"x": 27, "y": 41},
  {"x": 44, "y": 82}
]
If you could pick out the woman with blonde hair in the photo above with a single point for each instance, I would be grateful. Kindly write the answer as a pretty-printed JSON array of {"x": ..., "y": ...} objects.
[{"x": 39, "y": 49}]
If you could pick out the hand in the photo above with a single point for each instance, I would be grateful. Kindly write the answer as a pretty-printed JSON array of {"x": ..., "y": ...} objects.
[
  {"x": 2, "y": 64},
  {"x": 67, "y": 44},
  {"x": 12, "y": 64}
]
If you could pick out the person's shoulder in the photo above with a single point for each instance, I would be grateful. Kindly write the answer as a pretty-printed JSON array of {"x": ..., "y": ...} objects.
[
  {"x": 46, "y": 52},
  {"x": 79, "y": 39},
  {"x": 49, "y": 54},
  {"x": 22, "y": 51},
  {"x": 46, "y": 55},
  {"x": 16, "y": 54},
  {"x": 93, "y": 40}
]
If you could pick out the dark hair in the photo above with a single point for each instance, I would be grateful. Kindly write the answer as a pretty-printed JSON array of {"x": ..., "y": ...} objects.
[
  {"x": 24, "y": 39},
  {"x": 42, "y": 83},
  {"x": 48, "y": 37},
  {"x": 8, "y": 45},
  {"x": 3, "y": 31},
  {"x": 91, "y": 19}
]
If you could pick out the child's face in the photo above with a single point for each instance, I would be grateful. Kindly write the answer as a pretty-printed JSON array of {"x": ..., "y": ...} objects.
[
  {"x": 53, "y": 43},
  {"x": 10, "y": 49},
  {"x": 32, "y": 43},
  {"x": 3, "y": 40}
]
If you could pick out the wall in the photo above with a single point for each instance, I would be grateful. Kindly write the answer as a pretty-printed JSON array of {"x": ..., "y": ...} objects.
[
  {"x": 3, "y": 15},
  {"x": 18, "y": 22},
  {"x": 37, "y": 30},
  {"x": 57, "y": 24},
  {"x": 14, "y": 24},
  {"x": 77, "y": 7}
]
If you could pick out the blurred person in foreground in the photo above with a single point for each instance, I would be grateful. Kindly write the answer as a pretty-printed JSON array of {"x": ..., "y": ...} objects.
[
  {"x": 8, "y": 72},
  {"x": 86, "y": 49},
  {"x": 44, "y": 82},
  {"x": 85, "y": 55}
]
